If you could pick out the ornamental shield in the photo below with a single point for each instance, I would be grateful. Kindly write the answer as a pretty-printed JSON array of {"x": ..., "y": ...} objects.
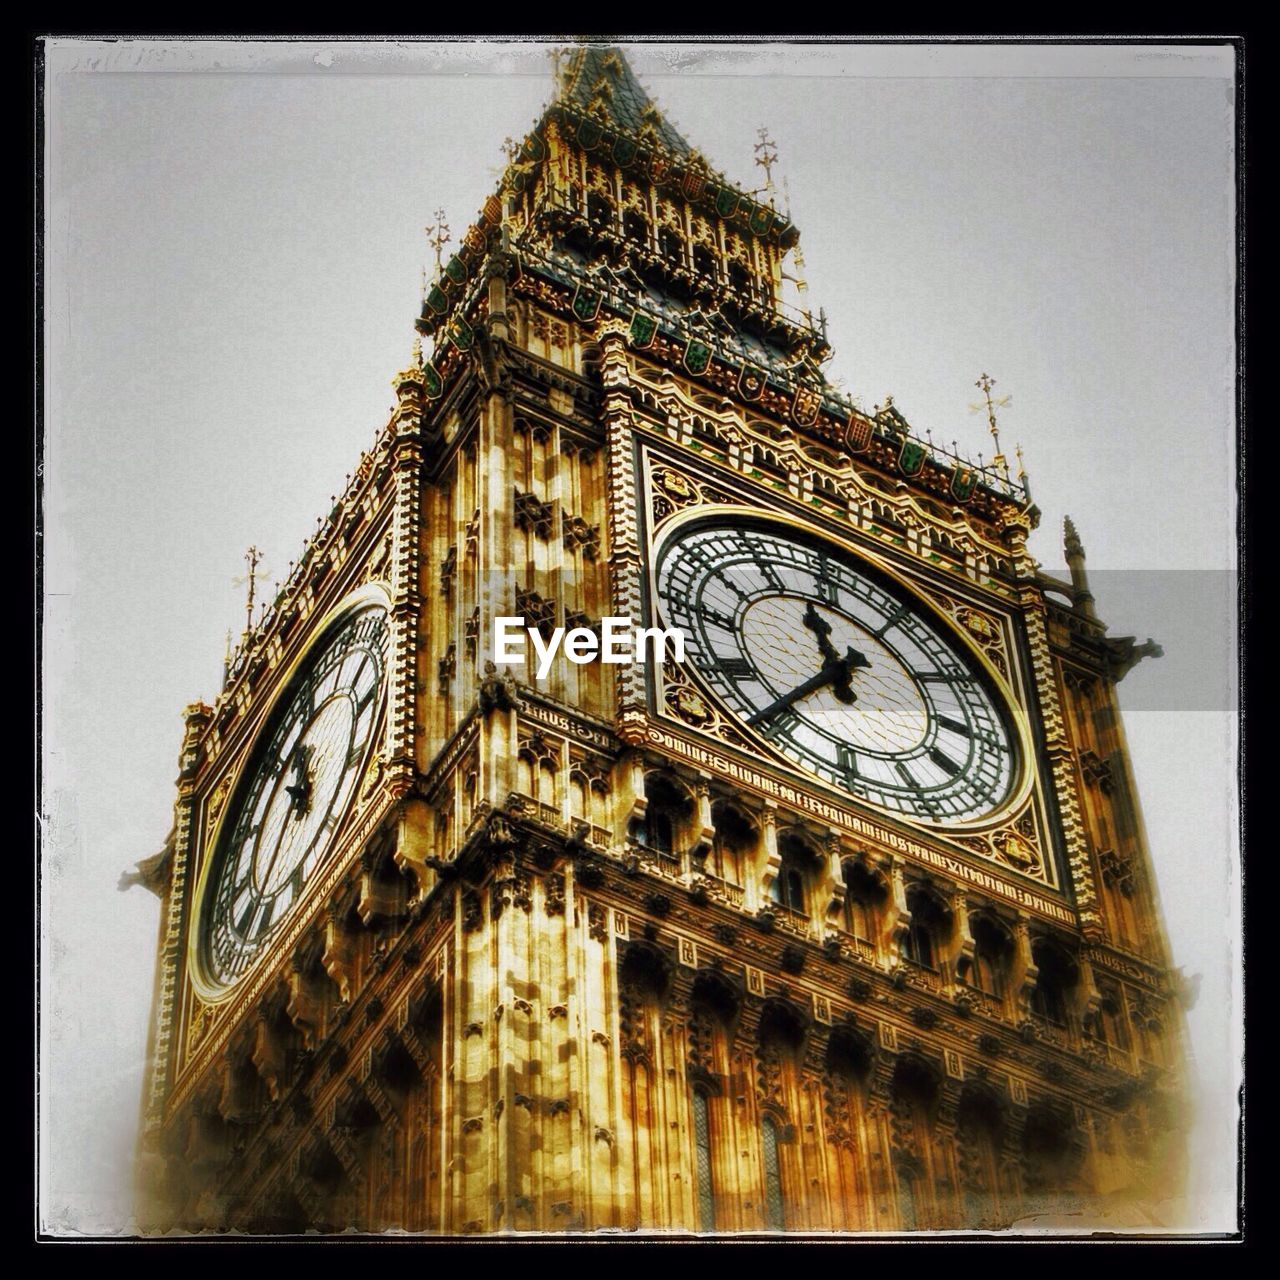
[
  {"x": 460, "y": 333},
  {"x": 697, "y": 355},
  {"x": 586, "y": 303},
  {"x": 911, "y": 457},
  {"x": 643, "y": 330},
  {"x": 963, "y": 482},
  {"x": 694, "y": 185},
  {"x": 751, "y": 382},
  {"x": 804, "y": 408},
  {"x": 857, "y": 434}
]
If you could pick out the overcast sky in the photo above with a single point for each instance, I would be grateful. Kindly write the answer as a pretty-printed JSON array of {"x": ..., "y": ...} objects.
[{"x": 233, "y": 254}]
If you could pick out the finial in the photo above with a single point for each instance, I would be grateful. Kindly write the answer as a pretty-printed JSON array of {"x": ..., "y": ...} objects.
[
  {"x": 1081, "y": 596},
  {"x": 1070, "y": 538},
  {"x": 437, "y": 235},
  {"x": 253, "y": 557},
  {"x": 984, "y": 384},
  {"x": 766, "y": 157},
  {"x": 226, "y": 661},
  {"x": 416, "y": 355},
  {"x": 1023, "y": 479},
  {"x": 510, "y": 148}
]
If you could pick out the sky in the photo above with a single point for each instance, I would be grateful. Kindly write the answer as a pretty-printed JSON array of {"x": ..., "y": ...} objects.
[{"x": 233, "y": 254}]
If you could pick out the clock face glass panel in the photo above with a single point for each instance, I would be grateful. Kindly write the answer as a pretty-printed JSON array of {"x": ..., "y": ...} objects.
[
  {"x": 843, "y": 671},
  {"x": 297, "y": 793}
]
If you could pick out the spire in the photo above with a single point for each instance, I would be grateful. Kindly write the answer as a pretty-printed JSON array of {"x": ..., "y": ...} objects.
[
  {"x": 1082, "y": 597},
  {"x": 597, "y": 80}
]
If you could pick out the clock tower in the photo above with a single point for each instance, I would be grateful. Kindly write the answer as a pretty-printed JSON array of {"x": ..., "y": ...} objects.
[{"x": 835, "y": 916}]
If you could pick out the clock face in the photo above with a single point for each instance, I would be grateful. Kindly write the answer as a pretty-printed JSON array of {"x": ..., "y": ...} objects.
[
  {"x": 844, "y": 672},
  {"x": 296, "y": 794}
]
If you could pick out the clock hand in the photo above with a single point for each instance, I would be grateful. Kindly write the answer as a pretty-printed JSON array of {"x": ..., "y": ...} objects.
[
  {"x": 300, "y": 792},
  {"x": 821, "y": 629},
  {"x": 842, "y": 686},
  {"x": 836, "y": 671},
  {"x": 824, "y": 677}
]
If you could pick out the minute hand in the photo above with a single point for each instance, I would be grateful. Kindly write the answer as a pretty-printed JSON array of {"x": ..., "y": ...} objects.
[{"x": 829, "y": 674}]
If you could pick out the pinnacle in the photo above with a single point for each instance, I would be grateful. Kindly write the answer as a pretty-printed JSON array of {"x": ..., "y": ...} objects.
[{"x": 1070, "y": 537}]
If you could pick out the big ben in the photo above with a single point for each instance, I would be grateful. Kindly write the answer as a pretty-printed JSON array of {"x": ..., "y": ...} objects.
[{"x": 832, "y": 913}]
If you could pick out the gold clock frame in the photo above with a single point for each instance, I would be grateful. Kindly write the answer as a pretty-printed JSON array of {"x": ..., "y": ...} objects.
[{"x": 238, "y": 774}]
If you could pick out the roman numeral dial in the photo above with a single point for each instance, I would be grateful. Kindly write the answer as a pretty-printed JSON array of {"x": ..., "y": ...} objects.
[
  {"x": 841, "y": 669},
  {"x": 284, "y": 819}
]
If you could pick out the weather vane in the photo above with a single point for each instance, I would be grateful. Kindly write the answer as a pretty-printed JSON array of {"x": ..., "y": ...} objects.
[
  {"x": 437, "y": 235},
  {"x": 984, "y": 384}
]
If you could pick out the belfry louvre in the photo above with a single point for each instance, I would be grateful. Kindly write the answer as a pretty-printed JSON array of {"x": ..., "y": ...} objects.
[{"x": 844, "y": 923}]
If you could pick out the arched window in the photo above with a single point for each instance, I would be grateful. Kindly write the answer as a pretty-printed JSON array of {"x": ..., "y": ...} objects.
[
  {"x": 704, "y": 262},
  {"x": 672, "y": 245},
  {"x": 1049, "y": 1156},
  {"x": 715, "y": 1005},
  {"x": 978, "y": 1131},
  {"x": 1110, "y": 1026},
  {"x": 774, "y": 1210},
  {"x": 739, "y": 277},
  {"x": 636, "y": 225},
  {"x": 789, "y": 889},
  {"x": 930, "y": 924},
  {"x": 864, "y": 898},
  {"x": 913, "y": 1101},
  {"x": 992, "y": 951},
  {"x": 1056, "y": 982},
  {"x": 735, "y": 834},
  {"x": 599, "y": 211},
  {"x": 656, "y": 831},
  {"x": 908, "y": 1196},
  {"x": 799, "y": 865},
  {"x": 659, "y": 827},
  {"x": 702, "y": 1148}
]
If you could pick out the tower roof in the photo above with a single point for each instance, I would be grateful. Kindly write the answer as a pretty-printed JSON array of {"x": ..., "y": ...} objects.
[{"x": 598, "y": 81}]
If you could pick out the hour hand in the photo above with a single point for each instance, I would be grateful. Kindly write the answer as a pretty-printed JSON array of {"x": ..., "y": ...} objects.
[
  {"x": 821, "y": 629},
  {"x": 842, "y": 685},
  {"x": 299, "y": 791}
]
